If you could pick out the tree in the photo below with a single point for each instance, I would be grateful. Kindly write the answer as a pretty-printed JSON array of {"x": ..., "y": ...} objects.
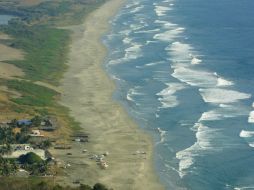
[
  {"x": 45, "y": 144},
  {"x": 58, "y": 187},
  {"x": 85, "y": 187},
  {"x": 42, "y": 186},
  {"x": 30, "y": 158},
  {"x": 36, "y": 121},
  {"x": 99, "y": 186}
]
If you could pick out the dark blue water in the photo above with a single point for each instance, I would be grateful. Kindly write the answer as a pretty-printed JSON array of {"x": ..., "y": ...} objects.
[
  {"x": 5, "y": 18},
  {"x": 185, "y": 71}
]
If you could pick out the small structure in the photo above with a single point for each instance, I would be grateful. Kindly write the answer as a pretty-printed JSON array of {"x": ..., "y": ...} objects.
[
  {"x": 48, "y": 124},
  {"x": 20, "y": 149},
  {"x": 28, "y": 148},
  {"x": 104, "y": 165},
  {"x": 62, "y": 146},
  {"x": 24, "y": 122},
  {"x": 36, "y": 133},
  {"x": 84, "y": 151},
  {"x": 47, "y": 128}
]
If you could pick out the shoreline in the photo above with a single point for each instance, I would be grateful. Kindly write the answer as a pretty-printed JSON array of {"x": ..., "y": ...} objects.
[{"x": 87, "y": 92}]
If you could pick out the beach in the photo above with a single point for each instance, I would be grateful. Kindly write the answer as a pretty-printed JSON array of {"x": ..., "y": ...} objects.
[{"x": 87, "y": 92}]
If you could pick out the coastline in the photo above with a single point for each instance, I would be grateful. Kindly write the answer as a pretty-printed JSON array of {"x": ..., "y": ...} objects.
[{"x": 87, "y": 92}]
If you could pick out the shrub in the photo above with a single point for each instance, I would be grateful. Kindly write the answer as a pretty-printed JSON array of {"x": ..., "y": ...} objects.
[
  {"x": 30, "y": 158},
  {"x": 99, "y": 186}
]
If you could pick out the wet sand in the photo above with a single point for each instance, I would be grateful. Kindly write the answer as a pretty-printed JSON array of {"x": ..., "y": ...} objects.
[{"x": 87, "y": 91}]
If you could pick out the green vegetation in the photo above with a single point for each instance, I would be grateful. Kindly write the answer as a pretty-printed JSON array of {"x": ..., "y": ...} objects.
[
  {"x": 7, "y": 137},
  {"x": 32, "y": 94},
  {"x": 45, "y": 50},
  {"x": 57, "y": 12},
  {"x": 34, "y": 164},
  {"x": 30, "y": 158},
  {"x": 7, "y": 166},
  {"x": 38, "y": 184}
]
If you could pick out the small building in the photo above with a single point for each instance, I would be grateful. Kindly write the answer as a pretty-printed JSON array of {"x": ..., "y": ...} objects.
[
  {"x": 36, "y": 133},
  {"x": 27, "y": 148},
  {"x": 24, "y": 122},
  {"x": 20, "y": 149}
]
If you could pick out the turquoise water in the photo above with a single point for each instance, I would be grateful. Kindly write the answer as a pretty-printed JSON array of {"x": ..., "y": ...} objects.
[
  {"x": 5, "y": 18},
  {"x": 184, "y": 71}
]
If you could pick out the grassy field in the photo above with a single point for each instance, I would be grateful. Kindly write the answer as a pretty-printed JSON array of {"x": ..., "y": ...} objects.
[
  {"x": 45, "y": 48},
  {"x": 37, "y": 33},
  {"x": 45, "y": 51}
]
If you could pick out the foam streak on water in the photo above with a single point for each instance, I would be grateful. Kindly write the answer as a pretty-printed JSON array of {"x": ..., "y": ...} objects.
[{"x": 172, "y": 76}]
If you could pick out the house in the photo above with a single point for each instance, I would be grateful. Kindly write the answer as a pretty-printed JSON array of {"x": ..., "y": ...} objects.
[
  {"x": 36, "y": 133},
  {"x": 28, "y": 147},
  {"x": 25, "y": 122},
  {"x": 20, "y": 149}
]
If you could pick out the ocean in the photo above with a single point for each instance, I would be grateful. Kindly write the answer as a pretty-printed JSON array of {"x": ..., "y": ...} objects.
[{"x": 184, "y": 71}]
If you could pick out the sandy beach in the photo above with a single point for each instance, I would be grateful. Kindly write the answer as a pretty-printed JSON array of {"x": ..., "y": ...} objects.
[{"x": 87, "y": 91}]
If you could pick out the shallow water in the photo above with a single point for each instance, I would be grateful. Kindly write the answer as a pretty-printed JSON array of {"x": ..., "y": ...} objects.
[{"x": 184, "y": 71}]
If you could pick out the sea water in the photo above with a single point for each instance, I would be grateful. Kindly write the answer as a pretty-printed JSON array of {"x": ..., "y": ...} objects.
[{"x": 184, "y": 71}]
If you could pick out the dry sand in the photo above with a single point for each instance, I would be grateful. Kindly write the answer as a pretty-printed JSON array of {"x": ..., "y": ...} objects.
[
  {"x": 7, "y": 53},
  {"x": 88, "y": 93},
  {"x": 8, "y": 71}
]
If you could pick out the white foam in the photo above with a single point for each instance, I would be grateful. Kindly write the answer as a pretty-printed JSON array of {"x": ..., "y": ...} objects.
[
  {"x": 187, "y": 156},
  {"x": 224, "y": 82},
  {"x": 125, "y": 32},
  {"x": 116, "y": 78},
  {"x": 179, "y": 54},
  {"x": 147, "y": 31},
  {"x": 169, "y": 35},
  {"x": 136, "y": 3},
  {"x": 167, "y": 95},
  {"x": 137, "y": 9},
  {"x": 246, "y": 134},
  {"x": 127, "y": 40},
  {"x": 150, "y": 64},
  {"x": 195, "y": 77},
  {"x": 222, "y": 96},
  {"x": 251, "y": 117},
  {"x": 133, "y": 52},
  {"x": 133, "y": 92},
  {"x": 224, "y": 111},
  {"x": 195, "y": 61},
  {"x": 129, "y": 97},
  {"x": 251, "y": 144},
  {"x": 224, "y": 106},
  {"x": 162, "y": 135},
  {"x": 211, "y": 116},
  {"x": 153, "y": 63},
  {"x": 161, "y": 10},
  {"x": 135, "y": 27},
  {"x": 166, "y": 24},
  {"x": 244, "y": 188},
  {"x": 253, "y": 104}
]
